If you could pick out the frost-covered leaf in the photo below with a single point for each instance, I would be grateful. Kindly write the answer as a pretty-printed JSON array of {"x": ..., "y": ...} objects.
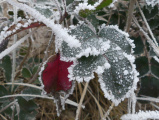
[
  {"x": 84, "y": 68},
  {"x": 90, "y": 44},
  {"x": 69, "y": 2},
  {"x": 6, "y": 65},
  {"x": 120, "y": 80},
  {"x": 152, "y": 2},
  {"x": 28, "y": 109},
  {"x": 31, "y": 91},
  {"x": 150, "y": 12},
  {"x": 114, "y": 34},
  {"x": 44, "y": 11}
]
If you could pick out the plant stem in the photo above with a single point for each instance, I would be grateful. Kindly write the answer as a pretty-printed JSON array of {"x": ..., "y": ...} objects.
[
  {"x": 147, "y": 25},
  {"x": 107, "y": 113},
  {"x": 40, "y": 96},
  {"x": 149, "y": 40},
  {"x": 14, "y": 51},
  {"x": 10, "y": 104},
  {"x": 81, "y": 100},
  {"x": 130, "y": 14}
]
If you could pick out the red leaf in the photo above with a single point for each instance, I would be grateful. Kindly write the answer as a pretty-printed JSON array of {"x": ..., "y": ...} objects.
[{"x": 55, "y": 75}]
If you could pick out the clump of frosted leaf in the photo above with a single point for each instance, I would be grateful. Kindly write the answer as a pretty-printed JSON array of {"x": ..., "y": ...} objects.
[{"x": 114, "y": 65}]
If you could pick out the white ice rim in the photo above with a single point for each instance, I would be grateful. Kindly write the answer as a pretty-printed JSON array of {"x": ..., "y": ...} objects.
[{"x": 88, "y": 78}]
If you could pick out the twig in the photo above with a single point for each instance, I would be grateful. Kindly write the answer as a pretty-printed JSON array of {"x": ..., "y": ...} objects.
[
  {"x": 148, "y": 99},
  {"x": 3, "y": 117},
  {"x": 130, "y": 14},
  {"x": 24, "y": 59},
  {"x": 44, "y": 59},
  {"x": 154, "y": 105},
  {"x": 23, "y": 84},
  {"x": 149, "y": 40},
  {"x": 10, "y": 104},
  {"x": 147, "y": 25},
  {"x": 40, "y": 96},
  {"x": 81, "y": 100},
  {"x": 14, "y": 51},
  {"x": 99, "y": 106},
  {"x": 107, "y": 113},
  {"x": 10, "y": 49}
]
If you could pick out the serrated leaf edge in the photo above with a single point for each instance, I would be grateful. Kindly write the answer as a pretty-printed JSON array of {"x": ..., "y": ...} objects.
[
  {"x": 87, "y": 52},
  {"x": 86, "y": 79},
  {"x": 109, "y": 95},
  {"x": 131, "y": 42}
]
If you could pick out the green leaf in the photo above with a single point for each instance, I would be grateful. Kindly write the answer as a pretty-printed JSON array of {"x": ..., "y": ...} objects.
[
  {"x": 31, "y": 91},
  {"x": 6, "y": 65},
  {"x": 3, "y": 92},
  {"x": 149, "y": 86},
  {"x": 103, "y": 4},
  {"x": 93, "y": 20},
  {"x": 44, "y": 11},
  {"x": 118, "y": 82},
  {"x": 155, "y": 67},
  {"x": 26, "y": 73},
  {"x": 139, "y": 46},
  {"x": 154, "y": 22},
  {"x": 8, "y": 111},
  {"x": 35, "y": 69},
  {"x": 28, "y": 109},
  {"x": 150, "y": 12},
  {"x": 118, "y": 37},
  {"x": 142, "y": 65},
  {"x": 69, "y": 2}
]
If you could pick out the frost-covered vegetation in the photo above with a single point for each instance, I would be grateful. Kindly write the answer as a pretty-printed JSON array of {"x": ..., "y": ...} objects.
[{"x": 98, "y": 56}]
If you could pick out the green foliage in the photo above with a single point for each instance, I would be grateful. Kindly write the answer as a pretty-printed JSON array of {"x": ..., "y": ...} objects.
[
  {"x": 112, "y": 65},
  {"x": 142, "y": 68},
  {"x": 44, "y": 11},
  {"x": 119, "y": 78},
  {"x": 23, "y": 110},
  {"x": 86, "y": 12},
  {"x": 31, "y": 91},
  {"x": 139, "y": 46},
  {"x": 103, "y": 4},
  {"x": 28, "y": 109},
  {"x": 3, "y": 92},
  {"x": 149, "y": 86},
  {"x": 6, "y": 65},
  {"x": 26, "y": 73}
]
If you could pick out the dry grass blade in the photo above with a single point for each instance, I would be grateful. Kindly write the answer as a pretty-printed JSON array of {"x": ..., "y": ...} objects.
[{"x": 81, "y": 100}]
